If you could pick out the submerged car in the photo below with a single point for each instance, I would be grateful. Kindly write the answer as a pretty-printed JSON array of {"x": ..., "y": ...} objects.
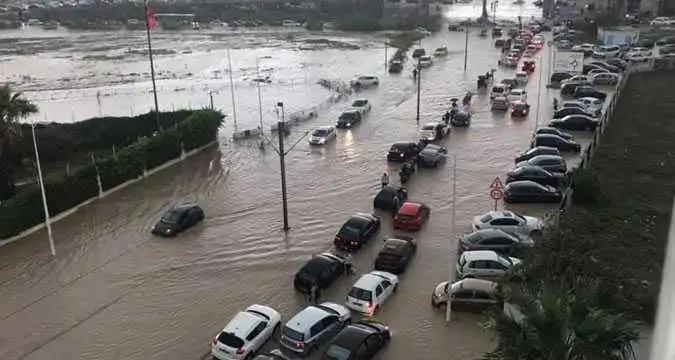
[
  {"x": 364, "y": 81},
  {"x": 321, "y": 270},
  {"x": 348, "y": 119},
  {"x": 495, "y": 240},
  {"x": 178, "y": 219},
  {"x": 390, "y": 198},
  {"x": 461, "y": 118},
  {"x": 371, "y": 291},
  {"x": 530, "y": 192},
  {"x": 396, "y": 254},
  {"x": 321, "y": 135},
  {"x": 520, "y": 109},
  {"x": 433, "y": 131},
  {"x": 403, "y": 151},
  {"x": 508, "y": 221},
  {"x": 536, "y": 174},
  {"x": 484, "y": 264},
  {"x": 411, "y": 216},
  {"x": 431, "y": 155},
  {"x": 395, "y": 67},
  {"x": 356, "y": 231},
  {"x": 361, "y": 105},
  {"x": 468, "y": 292},
  {"x": 313, "y": 326},
  {"x": 358, "y": 341},
  {"x": 246, "y": 333}
]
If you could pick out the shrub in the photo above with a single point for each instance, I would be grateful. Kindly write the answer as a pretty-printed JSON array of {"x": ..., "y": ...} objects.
[{"x": 586, "y": 185}]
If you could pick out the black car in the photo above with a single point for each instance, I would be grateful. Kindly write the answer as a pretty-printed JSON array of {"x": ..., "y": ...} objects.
[
  {"x": 553, "y": 163},
  {"x": 570, "y": 111},
  {"x": 560, "y": 76},
  {"x": 395, "y": 67},
  {"x": 622, "y": 65},
  {"x": 274, "y": 355},
  {"x": 396, "y": 254},
  {"x": 390, "y": 198},
  {"x": 356, "y": 231},
  {"x": 321, "y": 270},
  {"x": 538, "y": 150},
  {"x": 536, "y": 174},
  {"x": 554, "y": 131},
  {"x": 348, "y": 119},
  {"x": 587, "y": 91},
  {"x": 403, "y": 151},
  {"x": 431, "y": 155},
  {"x": 493, "y": 239},
  {"x": 555, "y": 141},
  {"x": 358, "y": 341},
  {"x": 529, "y": 191},
  {"x": 461, "y": 118},
  {"x": 570, "y": 88},
  {"x": 418, "y": 53},
  {"x": 575, "y": 122},
  {"x": 178, "y": 219}
]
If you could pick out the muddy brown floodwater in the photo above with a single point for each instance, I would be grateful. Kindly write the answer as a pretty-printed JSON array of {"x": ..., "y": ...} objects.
[{"x": 116, "y": 292}]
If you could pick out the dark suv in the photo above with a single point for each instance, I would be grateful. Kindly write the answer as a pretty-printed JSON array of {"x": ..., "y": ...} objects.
[
  {"x": 403, "y": 151},
  {"x": 321, "y": 270},
  {"x": 348, "y": 119}
]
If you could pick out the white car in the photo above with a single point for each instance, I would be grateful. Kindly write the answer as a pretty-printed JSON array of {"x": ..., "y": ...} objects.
[
  {"x": 433, "y": 131},
  {"x": 365, "y": 81},
  {"x": 361, "y": 105},
  {"x": 661, "y": 21},
  {"x": 522, "y": 77},
  {"x": 371, "y": 291},
  {"x": 606, "y": 78},
  {"x": 517, "y": 95},
  {"x": 484, "y": 264},
  {"x": 592, "y": 105},
  {"x": 578, "y": 79},
  {"x": 606, "y": 51},
  {"x": 422, "y": 30},
  {"x": 426, "y": 61},
  {"x": 508, "y": 221},
  {"x": 596, "y": 71},
  {"x": 499, "y": 90},
  {"x": 245, "y": 333},
  {"x": 584, "y": 48},
  {"x": 321, "y": 135},
  {"x": 468, "y": 292}
]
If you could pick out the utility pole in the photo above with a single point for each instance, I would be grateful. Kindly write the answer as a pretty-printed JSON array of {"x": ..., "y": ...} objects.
[
  {"x": 451, "y": 274},
  {"x": 536, "y": 118},
  {"x": 385, "y": 56},
  {"x": 419, "y": 85},
  {"x": 257, "y": 71},
  {"x": 150, "y": 23},
  {"x": 234, "y": 110},
  {"x": 282, "y": 164},
  {"x": 211, "y": 98},
  {"x": 48, "y": 222},
  {"x": 466, "y": 43},
  {"x": 494, "y": 12}
]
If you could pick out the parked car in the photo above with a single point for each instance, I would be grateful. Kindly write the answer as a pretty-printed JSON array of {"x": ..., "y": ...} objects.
[
  {"x": 596, "y": 71},
  {"x": 348, "y": 119},
  {"x": 246, "y": 333},
  {"x": 403, "y": 151},
  {"x": 517, "y": 95},
  {"x": 178, "y": 219},
  {"x": 570, "y": 88},
  {"x": 356, "y": 231},
  {"x": 587, "y": 49},
  {"x": 508, "y": 221},
  {"x": 621, "y": 64},
  {"x": 571, "y": 111},
  {"x": 361, "y": 105},
  {"x": 529, "y": 191},
  {"x": 371, "y": 291},
  {"x": 522, "y": 77},
  {"x": 572, "y": 104},
  {"x": 468, "y": 292},
  {"x": 520, "y": 108},
  {"x": 321, "y": 270},
  {"x": 587, "y": 91},
  {"x": 589, "y": 67},
  {"x": 552, "y": 163},
  {"x": 358, "y": 341},
  {"x": 433, "y": 131},
  {"x": 396, "y": 254},
  {"x": 390, "y": 198},
  {"x": 662, "y": 21},
  {"x": 462, "y": 118},
  {"x": 484, "y": 264},
  {"x": 554, "y": 131},
  {"x": 580, "y": 79},
  {"x": 431, "y": 155},
  {"x": 418, "y": 53},
  {"x": 536, "y": 174},
  {"x": 425, "y": 61},
  {"x": 538, "y": 150},
  {"x": 560, "y": 76},
  {"x": 575, "y": 122},
  {"x": 411, "y": 216},
  {"x": 365, "y": 81},
  {"x": 605, "y": 79},
  {"x": 495, "y": 240},
  {"x": 313, "y": 326},
  {"x": 592, "y": 105},
  {"x": 606, "y": 51},
  {"x": 500, "y": 103},
  {"x": 606, "y": 66},
  {"x": 555, "y": 141},
  {"x": 275, "y": 354},
  {"x": 395, "y": 67},
  {"x": 321, "y": 135}
]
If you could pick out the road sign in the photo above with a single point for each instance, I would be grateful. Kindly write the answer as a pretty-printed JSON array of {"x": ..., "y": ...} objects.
[
  {"x": 496, "y": 194},
  {"x": 567, "y": 61},
  {"x": 496, "y": 184}
]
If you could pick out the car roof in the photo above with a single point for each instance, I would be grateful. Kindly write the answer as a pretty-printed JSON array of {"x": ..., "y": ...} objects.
[
  {"x": 353, "y": 335},
  {"x": 433, "y": 123},
  {"x": 548, "y": 136},
  {"x": 403, "y": 143},
  {"x": 317, "y": 263},
  {"x": 326, "y": 127},
  {"x": 480, "y": 255},
  {"x": 307, "y": 317},
  {"x": 395, "y": 245},
  {"x": 184, "y": 206},
  {"x": 500, "y": 214},
  {"x": 475, "y": 284},
  {"x": 242, "y": 324},
  {"x": 523, "y": 183},
  {"x": 409, "y": 208},
  {"x": 368, "y": 281},
  {"x": 359, "y": 219},
  {"x": 545, "y": 157}
]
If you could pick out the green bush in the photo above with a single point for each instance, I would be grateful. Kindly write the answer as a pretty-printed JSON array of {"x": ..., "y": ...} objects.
[
  {"x": 25, "y": 209},
  {"x": 586, "y": 185}
]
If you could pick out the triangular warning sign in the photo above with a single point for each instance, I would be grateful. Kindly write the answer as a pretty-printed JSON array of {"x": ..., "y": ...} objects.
[{"x": 496, "y": 184}]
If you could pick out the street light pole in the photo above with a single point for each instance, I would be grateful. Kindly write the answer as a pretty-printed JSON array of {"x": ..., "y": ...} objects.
[
  {"x": 257, "y": 71},
  {"x": 451, "y": 274},
  {"x": 234, "y": 110},
  {"x": 48, "y": 222},
  {"x": 466, "y": 43},
  {"x": 419, "y": 85},
  {"x": 536, "y": 118},
  {"x": 385, "y": 56},
  {"x": 282, "y": 164}
]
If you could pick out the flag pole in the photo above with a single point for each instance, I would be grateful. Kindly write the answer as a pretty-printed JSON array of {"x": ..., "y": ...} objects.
[{"x": 152, "y": 65}]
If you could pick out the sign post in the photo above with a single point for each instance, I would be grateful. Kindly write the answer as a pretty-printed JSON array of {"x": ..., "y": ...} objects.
[{"x": 496, "y": 191}]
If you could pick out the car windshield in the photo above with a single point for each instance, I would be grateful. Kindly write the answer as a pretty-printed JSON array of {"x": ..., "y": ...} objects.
[
  {"x": 292, "y": 334},
  {"x": 398, "y": 148},
  {"x": 171, "y": 217},
  {"x": 320, "y": 132},
  {"x": 230, "y": 340},
  {"x": 348, "y": 116},
  {"x": 337, "y": 352},
  {"x": 359, "y": 103},
  {"x": 360, "y": 294},
  {"x": 428, "y": 127},
  {"x": 474, "y": 238},
  {"x": 348, "y": 232}
]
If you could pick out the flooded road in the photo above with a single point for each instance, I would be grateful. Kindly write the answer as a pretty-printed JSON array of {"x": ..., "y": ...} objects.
[{"x": 116, "y": 292}]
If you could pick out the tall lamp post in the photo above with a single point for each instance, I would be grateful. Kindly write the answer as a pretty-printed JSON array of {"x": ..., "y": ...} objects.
[{"x": 48, "y": 222}]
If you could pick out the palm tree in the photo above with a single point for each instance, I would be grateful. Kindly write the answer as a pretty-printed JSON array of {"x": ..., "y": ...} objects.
[
  {"x": 561, "y": 325},
  {"x": 12, "y": 108}
]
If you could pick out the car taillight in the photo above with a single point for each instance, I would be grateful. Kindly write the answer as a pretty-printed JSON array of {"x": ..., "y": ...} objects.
[
  {"x": 300, "y": 344},
  {"x": 215, "y": 340},
  {"x": 465, "y": 246},
  {"x": 240, "y": 351},
  {"x": 370, "y": 307}
]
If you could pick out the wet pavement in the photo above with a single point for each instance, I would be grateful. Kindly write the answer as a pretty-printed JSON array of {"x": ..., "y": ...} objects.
[{"x": 116, "y": 292}]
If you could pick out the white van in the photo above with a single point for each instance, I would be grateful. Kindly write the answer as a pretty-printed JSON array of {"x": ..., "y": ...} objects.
[{"x": 499, "y": 90}]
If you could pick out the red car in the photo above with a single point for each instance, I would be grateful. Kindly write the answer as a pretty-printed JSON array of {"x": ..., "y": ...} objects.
[{"x": 411, "y": 216}]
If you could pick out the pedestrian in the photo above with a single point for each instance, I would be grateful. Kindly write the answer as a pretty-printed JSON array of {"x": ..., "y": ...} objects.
[
  {"x": 385, "y": 179},
  {"x": 314, "y": 294},
  {"x": 349, "y": 264},
  {"x": 555, "y": 104},
  {"x": 414, "y": 74}
]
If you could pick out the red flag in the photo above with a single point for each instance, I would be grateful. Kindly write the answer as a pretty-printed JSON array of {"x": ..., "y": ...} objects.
[{"x": 150, "y": 17}]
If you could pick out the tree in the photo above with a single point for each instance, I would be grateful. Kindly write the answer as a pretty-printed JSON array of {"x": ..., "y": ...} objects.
[
  {"x": 561, "y": 325},
  {"x": 12, "y": 108}
]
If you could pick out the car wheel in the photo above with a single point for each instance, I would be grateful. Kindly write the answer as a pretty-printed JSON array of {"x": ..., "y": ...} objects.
[
  {"x": 377, "y": 308},
  {"x": 396, "y": 287},
  {"x": 277, "y": 331},
  {"x": 536, "y": 234}
]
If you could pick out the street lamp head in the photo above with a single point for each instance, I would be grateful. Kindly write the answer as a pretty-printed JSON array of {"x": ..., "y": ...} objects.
[{"x": 280, "y": 104}]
